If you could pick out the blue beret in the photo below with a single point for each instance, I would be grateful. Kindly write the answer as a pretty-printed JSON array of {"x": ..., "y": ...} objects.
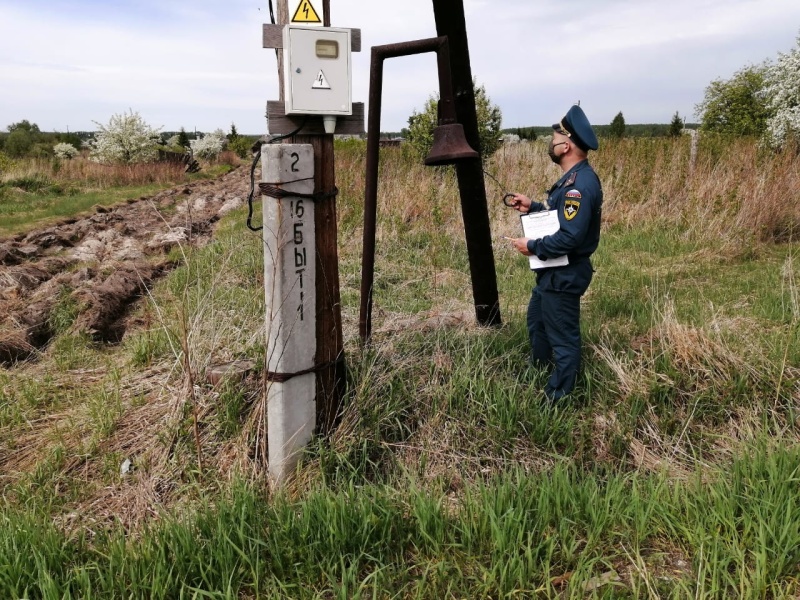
[{"x": 576, "y": 126}]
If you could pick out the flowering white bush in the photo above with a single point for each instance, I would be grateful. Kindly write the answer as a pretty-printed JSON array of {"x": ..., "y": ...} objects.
[
  {"x": 126, "y": 139},
  {"x": 783, "y": 91},
  {"x": 64, "y": 150},
  {"x": 209, "y": 146}
]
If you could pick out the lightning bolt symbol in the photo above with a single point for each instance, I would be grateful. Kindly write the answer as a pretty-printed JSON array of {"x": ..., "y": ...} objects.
[{"x": 305, "y": 9}]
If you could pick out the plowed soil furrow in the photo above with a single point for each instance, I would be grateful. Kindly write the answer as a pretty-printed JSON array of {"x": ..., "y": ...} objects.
[{"x": 104, "y": 261}]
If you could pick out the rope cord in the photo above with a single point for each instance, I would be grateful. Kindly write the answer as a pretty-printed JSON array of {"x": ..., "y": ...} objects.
[
  {"x": 493, "y": 178},
  {"x": 506, "y": 195}
]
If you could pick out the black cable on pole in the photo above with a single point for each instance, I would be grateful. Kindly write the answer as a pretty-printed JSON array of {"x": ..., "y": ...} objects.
[
  {"x": 277, "y": 138},
  {"x": 252, "y": 190},
  {"x": 272, "y": 18}
]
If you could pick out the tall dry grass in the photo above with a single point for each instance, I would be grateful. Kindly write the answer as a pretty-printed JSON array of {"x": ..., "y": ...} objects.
[
  {"x": 699, "y": 349},
  {"x": 735, "y": 191},
  {"x": 86, "y": 174}
]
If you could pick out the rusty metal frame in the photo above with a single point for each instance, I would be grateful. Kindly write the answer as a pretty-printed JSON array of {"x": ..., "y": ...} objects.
[{"x": 447, "y": 114}]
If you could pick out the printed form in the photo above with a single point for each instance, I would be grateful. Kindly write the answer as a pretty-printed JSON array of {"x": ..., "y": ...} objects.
[{"x": 537, "y": 225}]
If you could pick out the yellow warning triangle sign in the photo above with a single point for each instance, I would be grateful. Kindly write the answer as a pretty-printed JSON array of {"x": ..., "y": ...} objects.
[{"x": 305, "y": 13}]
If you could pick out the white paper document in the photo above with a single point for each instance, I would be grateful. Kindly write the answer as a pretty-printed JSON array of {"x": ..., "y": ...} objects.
[{"x": 536, "y": 225}]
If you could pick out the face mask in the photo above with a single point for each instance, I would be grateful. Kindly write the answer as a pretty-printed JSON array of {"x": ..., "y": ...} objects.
[{"x": 551, "y": 152}]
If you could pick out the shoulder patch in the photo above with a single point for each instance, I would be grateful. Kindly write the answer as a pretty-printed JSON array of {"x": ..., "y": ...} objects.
[
  {"x": 571, "y": 208},
  {"x": 574, "y": 194}
]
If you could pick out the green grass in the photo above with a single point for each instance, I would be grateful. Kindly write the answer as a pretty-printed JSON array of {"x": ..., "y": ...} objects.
[
  {"x": 672, "y": 474},
  {"x": 19, "y": 212},
  {"x": 38, "y": 200},
  {"x": 731, "y": 533}
]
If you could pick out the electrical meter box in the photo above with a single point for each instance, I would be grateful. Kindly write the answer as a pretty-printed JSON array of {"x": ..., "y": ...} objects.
[{"x": 317, "y": 71}]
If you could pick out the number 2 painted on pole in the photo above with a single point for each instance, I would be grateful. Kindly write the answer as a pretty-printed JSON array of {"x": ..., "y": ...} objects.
[{"x": 296, "y": 157}]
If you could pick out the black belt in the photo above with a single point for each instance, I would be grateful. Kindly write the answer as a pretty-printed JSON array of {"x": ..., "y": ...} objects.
[
  {"x": 573, "y": 259},
  {"x": 576, "y": 257}
]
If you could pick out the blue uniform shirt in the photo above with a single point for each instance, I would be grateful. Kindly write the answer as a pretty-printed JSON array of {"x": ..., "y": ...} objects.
[{"x": 578, "y": 198}]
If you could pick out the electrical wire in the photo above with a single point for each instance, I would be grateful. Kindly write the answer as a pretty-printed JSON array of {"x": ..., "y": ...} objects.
[
  {"x": 256, "y": 158},
  {"x": 252, "y": 191},
  {"x": 272, "y": 18}
]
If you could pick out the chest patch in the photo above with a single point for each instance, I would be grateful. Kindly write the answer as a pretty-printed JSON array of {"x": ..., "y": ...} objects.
[
  {"x": 571, "y": 208},
  {"x": 573, "y": 194}
]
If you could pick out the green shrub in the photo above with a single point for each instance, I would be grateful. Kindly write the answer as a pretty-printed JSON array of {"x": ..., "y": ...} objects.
[
  {"x": 241, "y": 146},
  {"x": 18, "y": 143},
  {"x": 30, "y": 183},
  {"x": 421, "y": 125},
  {"x": 5, "y": 163}
]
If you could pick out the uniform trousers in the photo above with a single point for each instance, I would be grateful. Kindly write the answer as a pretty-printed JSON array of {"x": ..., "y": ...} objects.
[{"x": 554, "y": 326}]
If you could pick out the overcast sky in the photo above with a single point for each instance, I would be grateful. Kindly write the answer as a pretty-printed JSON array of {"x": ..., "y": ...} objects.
[{"x": 199, "y": 64}]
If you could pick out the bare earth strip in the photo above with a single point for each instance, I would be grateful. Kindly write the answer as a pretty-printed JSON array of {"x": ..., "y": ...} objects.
[{"x": 105, "y": 261}]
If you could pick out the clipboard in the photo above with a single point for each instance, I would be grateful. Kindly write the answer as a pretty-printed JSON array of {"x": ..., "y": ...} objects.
[{"x": 535, "y": 226}]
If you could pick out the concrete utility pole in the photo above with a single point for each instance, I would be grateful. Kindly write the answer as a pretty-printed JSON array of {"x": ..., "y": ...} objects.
[
  {"x": 289, "y": 276},
  {"x": 308, "y": 152}
]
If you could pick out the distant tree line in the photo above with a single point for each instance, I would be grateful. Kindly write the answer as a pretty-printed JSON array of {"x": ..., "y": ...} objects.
[
  {"x": 637, "y": 130},
  {"x": 125, "y": 138},
  {"x": 26, "y": 139}
]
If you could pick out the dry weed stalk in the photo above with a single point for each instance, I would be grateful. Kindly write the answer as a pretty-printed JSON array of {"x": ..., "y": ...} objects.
[{"x": 189, "y": 386}]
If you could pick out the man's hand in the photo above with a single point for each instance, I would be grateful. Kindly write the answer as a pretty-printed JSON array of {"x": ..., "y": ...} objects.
[
  {"x": 519, "y": 202},
  {"x": 520, "y": 245}
]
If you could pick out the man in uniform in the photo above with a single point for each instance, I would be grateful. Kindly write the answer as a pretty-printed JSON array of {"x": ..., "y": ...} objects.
[{"x": 554, "y": 308}]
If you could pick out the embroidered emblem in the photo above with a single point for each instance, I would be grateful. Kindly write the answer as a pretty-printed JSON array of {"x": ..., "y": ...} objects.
[
  {"x": 571, "y": 209},
  {"x": 574, "y": 194}
]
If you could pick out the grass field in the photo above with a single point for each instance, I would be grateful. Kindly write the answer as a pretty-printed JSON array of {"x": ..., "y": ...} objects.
[
  {"x": 37, "y": 192},
  {"x": 674, "y": 472}
]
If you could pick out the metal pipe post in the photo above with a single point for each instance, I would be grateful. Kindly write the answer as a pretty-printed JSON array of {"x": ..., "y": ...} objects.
[{"x": 379, "y": 54}]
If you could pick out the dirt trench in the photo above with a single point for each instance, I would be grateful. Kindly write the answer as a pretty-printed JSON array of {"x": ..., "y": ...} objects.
[{"x": 104, "y": 262}]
